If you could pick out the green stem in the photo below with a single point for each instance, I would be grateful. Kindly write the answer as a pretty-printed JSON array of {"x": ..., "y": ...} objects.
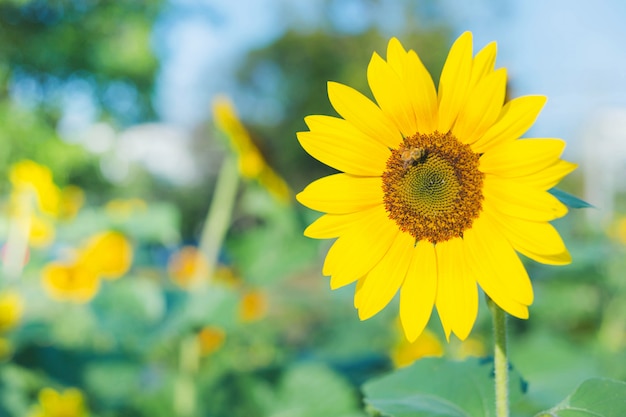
[
  {"x": 501, "y": 363},
  {"x": 185, "y": 391},
  {"x": 219, "y": 214}
]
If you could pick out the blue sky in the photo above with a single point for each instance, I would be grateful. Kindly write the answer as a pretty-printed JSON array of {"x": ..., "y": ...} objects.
[{"x": 572, "y": 51}]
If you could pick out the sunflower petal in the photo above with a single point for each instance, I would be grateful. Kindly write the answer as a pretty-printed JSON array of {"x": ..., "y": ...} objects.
[
  {"x": 364, "y": 114},
  {"x": 330, "y": 226},
  {"x": 538, "y": 240},
  {"x": 481, "y": 261},
  {"x": 342, "y": 193},
  {"x": 421, "y": 88},
  {"x": 356, "y": 251},
  {"x": 516, "y": 117},
  {"x": 517, "y": 199},
  {"x": 418, "y": 292},
  {"x": 390, "y": 93},
  {"x": 522, "y": 157},
  {"x": 548, "y": 177},
  {"x": 384, "y": 280},
  {"x": 457, "y": 294},
  {"x": 494, "y": 255},
  {"x": 482, "y": 107},
  {"x": 483, "y": 63},
  {"x": 396, "y": 56},
  {"x": 340, "y": 145},
  {"x": 454, "y": 82}
]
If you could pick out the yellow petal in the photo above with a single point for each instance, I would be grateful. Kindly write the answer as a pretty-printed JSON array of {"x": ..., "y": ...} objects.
[
  {"x": 420, "y": 86},
  {"x": 517, "y": 199},
  {"x": 548, "y": 177},
  {"x": 457, "y": 294},
  {"x": 516, "y": 117},
  {"x": 538, "y": 240},
  {"x": 108, "y": 254},
  {"x": 342, "y": 193},
  {"x": 396, "y": 57},
  {"x": 340, "y": 145},
  {"x": 364, "y": 114},
  {"x": 71, "y": 282},
  {"x": 390, "y": 94},
  {"x": 384, "y": 280},
  {"x": 330, "y": 226},
  {"x": 417, "y": 295},
  {"x": 11, "y": 310},
  {"x": 483, "y": 63},
  {"x": 454, "y": 82},
  {"x": 521, "y": 157},
  {"x": 482, "y": 107},
  {"x": 482, "y": 261},
  {"x": 496, "y": 258},
  {"x": 360, "y": 248}
]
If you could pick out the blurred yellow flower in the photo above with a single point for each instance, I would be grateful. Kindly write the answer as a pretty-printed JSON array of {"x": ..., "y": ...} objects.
[
  {"x": 11, "y": 309},
  {"x": 253, "y": 306},
  {"x": 227, "y": 277},
  {"x": 42, "y": 232},
  {"x": 69, "y": 403},
  {"x": 185, "y": 265},
  {"x": 71, "y": 201},
  {"x": 108, "y": 254},
  {"x": 252, "y": 165},
  {"x": 471, "y": 347},
  {"x": 405, "y": 353},
  {"x": 29, "y": 176},
  {"x": 70, "y": 281},
  {"x": 211, "y": 339}
]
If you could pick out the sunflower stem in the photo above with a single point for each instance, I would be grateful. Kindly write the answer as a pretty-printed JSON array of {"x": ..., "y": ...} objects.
[
  {"x": 501, "y": 363},
  {"x": 219, "y": 214}
]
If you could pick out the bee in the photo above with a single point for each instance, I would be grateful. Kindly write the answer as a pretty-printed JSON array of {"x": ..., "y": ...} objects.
[{"x": 412, "y": 155}]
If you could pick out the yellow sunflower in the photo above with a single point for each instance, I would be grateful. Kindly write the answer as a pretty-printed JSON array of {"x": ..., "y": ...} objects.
[{"x": 437, "y": 191}]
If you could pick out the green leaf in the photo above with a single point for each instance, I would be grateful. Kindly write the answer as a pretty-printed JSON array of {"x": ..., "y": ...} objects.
[
  {"x": 439, "y": 387},
  {"x": 314, "y": 390},
  {"x": 568, "y": 199},
  {"x": 597, "y": 397}
]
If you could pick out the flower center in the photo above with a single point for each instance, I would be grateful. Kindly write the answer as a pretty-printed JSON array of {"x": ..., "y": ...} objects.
[{"x": 432, "y": 187}]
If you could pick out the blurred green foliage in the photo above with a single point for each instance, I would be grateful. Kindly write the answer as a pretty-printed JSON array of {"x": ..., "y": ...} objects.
[
  {"x": 100, "y": 42},
  {"x": 307, "y": 355}
]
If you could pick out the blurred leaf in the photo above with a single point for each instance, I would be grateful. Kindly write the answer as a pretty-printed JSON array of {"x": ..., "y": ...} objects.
[
  {"x": 267, "y": 243},
  {"x": 598, "y": 397},
  {"x": 113, "y": 381},
  {"x": 439, "y": 387},
  {"x": 159, "y": 222},
  {"x": 568, "y": 199},
  {"x": 127, "y": 309},
  {"x": 313, "y": 390},
  {"x": 552, "y": 365}
]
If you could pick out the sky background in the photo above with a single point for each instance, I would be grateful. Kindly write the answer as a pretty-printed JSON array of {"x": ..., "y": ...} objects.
[{"x": 570, "y": 51}]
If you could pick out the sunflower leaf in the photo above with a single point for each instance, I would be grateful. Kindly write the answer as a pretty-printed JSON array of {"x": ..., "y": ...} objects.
[
  {"x": 439, "y": 387},
  {"x": 568, "y": 199},
  {"x": 596, "y": 397}
]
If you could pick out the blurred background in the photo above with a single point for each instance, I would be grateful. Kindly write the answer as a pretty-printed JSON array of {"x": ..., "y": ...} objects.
[{"x": 153, "y": 257}]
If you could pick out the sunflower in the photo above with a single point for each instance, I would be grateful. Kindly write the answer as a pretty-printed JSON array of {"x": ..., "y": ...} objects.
[{"x": 437, "y": 193}]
